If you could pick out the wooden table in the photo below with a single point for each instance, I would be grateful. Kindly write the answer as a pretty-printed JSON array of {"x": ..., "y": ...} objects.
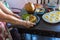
[{"x": 42, "y": 28}]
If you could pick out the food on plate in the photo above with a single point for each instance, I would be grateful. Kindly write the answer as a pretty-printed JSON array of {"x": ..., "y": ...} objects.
[
  {"x": 32, "y": 18},
  {"x": 38, "y": 6},
  {"x": 29, "y": 17},
  {"x": 40, "y": 10},
  {"x": 29, "y": 7},
  {"x": 51, "y": 20},
  {"x": 37, "y": 10},
  {"x": 25, "y": 16},
  {"x": 57, "y": 18},
  {"x": 46, "y": 17},
  {"x": 58, "y": 13},
  {"x": 52, "y": 17}
]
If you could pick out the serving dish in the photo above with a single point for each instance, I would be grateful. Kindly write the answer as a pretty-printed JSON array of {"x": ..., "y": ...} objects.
[
  {"x": 32, "y": 18},
  {"x": 52, "y": 17}
]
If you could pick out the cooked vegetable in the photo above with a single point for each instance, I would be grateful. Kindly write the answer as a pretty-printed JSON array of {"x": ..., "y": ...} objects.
[
  {"x": 32, "y": 18},
  {"x": 29, "y": 17},
  {"x": 24, "y": 16}
]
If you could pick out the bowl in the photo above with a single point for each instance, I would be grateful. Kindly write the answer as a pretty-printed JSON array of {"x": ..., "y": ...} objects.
[
  {"x": 39, "y": 11},
  {"x": 31, "y": 18}
]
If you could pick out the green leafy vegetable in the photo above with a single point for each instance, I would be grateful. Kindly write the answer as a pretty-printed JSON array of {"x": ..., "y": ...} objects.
[{"x": 24, "y": 16}]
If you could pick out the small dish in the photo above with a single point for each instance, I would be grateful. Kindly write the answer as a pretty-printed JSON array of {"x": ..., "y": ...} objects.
[
  {"x": 31, "y": 18},
  {"x": 39, "y": 11}
]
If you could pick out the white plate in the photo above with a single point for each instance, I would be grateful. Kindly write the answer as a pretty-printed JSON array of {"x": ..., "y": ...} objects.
[{"x": 52, "y": 17}]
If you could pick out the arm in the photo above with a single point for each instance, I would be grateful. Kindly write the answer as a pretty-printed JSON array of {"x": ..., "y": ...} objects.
[
  {"x": 6, "y": 10},
  {"x": 8, "y": 18}
]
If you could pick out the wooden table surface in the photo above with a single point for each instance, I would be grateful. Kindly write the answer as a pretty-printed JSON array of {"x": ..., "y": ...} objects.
[{"x": 42, "y": 28}]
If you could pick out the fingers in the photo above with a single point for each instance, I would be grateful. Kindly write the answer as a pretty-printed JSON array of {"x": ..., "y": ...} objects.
[
  {"x": 29, "y": 24},
  {"x": 17, "y": 16}
]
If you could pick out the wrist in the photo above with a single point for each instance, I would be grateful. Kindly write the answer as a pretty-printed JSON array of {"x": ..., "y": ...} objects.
[
  {"x": 20, "y": 22},
  {"x": 23, "y": 23}
]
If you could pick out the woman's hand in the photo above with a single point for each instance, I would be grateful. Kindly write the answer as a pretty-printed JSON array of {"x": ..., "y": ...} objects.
[
  {"x": 9, "y": 16},
  {"x": 28, "y": 24}
]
